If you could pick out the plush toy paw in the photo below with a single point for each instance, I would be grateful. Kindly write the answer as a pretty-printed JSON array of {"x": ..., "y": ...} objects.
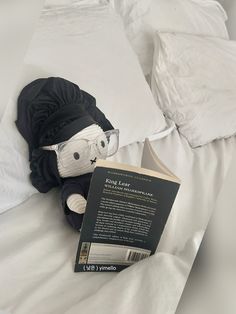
[{"x": 76, "y": 203}]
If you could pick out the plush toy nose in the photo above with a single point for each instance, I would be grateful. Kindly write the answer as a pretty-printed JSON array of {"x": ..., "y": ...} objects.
[{"x": 93, "y": 160}]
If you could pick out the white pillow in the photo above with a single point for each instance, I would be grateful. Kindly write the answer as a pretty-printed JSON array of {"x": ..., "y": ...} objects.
[
  {"x": 143, "y": 17},
  {"x": 86, "y": 45},
  {"x": 193, "y": 80},
  {"x": 15, "y": 185},
  {"x": 17, "y": 22}
]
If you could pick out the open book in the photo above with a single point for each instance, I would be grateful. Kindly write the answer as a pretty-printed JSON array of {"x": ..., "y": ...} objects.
[{"x": 127, "y": 209}]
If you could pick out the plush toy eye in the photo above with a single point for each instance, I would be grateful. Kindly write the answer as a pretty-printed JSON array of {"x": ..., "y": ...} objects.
[
  {"x": 103, "y": 144},
  {"x": 76, "y": 156}
]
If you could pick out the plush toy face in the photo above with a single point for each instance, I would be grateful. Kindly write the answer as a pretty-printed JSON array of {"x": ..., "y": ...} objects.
[{"x": 78, "y": 155}]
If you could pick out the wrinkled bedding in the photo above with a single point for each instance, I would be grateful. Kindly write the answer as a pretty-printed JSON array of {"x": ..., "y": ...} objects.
[{"x": 37, "y": 247}]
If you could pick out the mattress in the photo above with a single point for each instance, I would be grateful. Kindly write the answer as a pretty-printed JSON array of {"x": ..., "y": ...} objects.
[{"x": 37, "y": 247}]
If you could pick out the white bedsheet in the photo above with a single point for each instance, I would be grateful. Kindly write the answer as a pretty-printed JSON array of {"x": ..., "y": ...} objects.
[{"x": 37, "y": 247}]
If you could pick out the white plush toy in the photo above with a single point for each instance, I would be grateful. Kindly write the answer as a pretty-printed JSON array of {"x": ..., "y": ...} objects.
[{"x": 66, "y": 134}]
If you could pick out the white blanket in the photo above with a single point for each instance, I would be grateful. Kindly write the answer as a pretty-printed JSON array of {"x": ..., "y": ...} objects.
[{"x": 37, "y": 247}]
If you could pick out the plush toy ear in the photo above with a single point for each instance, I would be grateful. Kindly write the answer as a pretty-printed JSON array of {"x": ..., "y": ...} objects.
[{"x": 44, "y": 173}]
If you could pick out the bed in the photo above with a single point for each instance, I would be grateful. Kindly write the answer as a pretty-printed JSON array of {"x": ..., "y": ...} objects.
[
  {"x": 37, "y": 247},
  {"x": 37, "y": 258}
]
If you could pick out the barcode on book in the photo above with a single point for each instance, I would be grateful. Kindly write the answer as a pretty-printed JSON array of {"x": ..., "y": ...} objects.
[
  {"x": 105, "y": 253},
  {"x": 136, "y": 256}
]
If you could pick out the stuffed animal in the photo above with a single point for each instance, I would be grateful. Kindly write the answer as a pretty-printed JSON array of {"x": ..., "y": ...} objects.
[{"x": 66, "y": 134}]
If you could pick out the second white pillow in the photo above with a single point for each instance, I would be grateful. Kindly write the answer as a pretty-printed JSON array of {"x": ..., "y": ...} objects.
[
  {"x": 143, "y": 17},
  {"x": 193, "y": 80}
]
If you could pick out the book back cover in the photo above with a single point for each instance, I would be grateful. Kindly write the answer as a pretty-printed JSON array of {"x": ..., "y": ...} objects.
[{"x": 126, "y": 212}]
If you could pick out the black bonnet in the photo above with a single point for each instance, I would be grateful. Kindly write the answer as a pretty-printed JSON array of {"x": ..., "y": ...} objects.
[{"x": 49, "y": 111}]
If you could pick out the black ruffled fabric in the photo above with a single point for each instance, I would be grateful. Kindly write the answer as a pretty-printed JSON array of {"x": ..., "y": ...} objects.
[
  {"x": 51, "y": 110},
  {"x": 44, "y": 173}
]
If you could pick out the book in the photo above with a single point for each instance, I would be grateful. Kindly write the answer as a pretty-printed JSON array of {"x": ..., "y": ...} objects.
[{"x": 127, "y": 209}]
